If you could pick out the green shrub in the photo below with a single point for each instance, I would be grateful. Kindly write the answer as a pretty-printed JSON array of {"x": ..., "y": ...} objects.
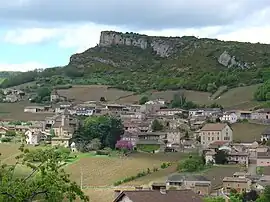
[
  {"x": 102, "y": 152},
  {"x": 165, "y": 165},
  {"x": 6, "y": 139},
  {"x": 155, "y": 169}
]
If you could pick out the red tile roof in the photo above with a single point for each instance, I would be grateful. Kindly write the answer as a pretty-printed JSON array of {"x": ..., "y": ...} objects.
[{"x": 157, "y": 196}]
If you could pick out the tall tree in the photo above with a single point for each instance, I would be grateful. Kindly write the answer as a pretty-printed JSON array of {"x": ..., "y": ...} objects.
[
  {"x": 47, "y": 179},
  {"x": 221, "y": 157},
  {"x": 156, "y": 126},
  {"x": 107, "y": 129}
]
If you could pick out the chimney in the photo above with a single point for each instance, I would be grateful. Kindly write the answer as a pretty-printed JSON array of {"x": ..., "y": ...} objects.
[
  {"x": 163, "y": 190},
  {"x": 116, "y": 193}
]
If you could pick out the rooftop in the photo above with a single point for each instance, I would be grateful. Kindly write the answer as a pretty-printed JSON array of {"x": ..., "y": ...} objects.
[
  {"x": 157, "y": 196},
  {"x": 186, "y": 177},
  {"x": 214, "y": 127},
  {"x": 235, "y": 179}
]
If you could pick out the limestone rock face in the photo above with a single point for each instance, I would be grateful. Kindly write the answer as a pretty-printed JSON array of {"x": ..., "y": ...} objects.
[
  {"x": 229, "y": 61},
  {"x": 162, "y": 47}
]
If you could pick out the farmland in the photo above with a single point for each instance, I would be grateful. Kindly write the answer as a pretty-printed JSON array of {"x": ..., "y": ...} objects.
[
  {"x": 247, "y": 131},
  {"x": 15, "y": 111},
  {"x": 93, "y": 92},
  {"x": 236, "y": 98}
]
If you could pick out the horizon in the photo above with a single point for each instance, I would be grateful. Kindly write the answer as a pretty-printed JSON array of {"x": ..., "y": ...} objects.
[{"x": 38, "y": 35}]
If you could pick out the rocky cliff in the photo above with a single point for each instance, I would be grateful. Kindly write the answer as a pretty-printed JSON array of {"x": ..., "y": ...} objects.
[{"x": 161, "y": 45}]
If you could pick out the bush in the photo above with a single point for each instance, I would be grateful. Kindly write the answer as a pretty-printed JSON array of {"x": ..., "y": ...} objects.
[
  {"x": 191, "y": 164},
  {"x": 6, "y": 139},
  {"x": 155, "y": 169},
  {"x": 165, "y": 165},
  {"x": 102, "y": 152}
]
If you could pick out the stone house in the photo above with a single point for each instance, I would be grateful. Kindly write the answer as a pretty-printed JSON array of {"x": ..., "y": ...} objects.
[
  {"x": 3, "y": 131},
  {"x": 34, "y": 109},
  {"x": 55, "y": 97},
  {"x": 61, "y": 107},
  {"x": 34, "y": 137},
  {"x": 64, "y": 127},
  {"x": 238, "y": 158},
  {"x": 197, "y": 183},
  {"x": 169, "y": 112},
  {"x": 157, "y": 196},
  {"x": 173, "y": 137},
  {"x": 206, "y": 112},
  {"x": 230, "y": 117},
  {"x": 263, "y": 159},
  {"x": 236, "y": 183},
  {"x": 265, "y": 136},
  {"x": 153, "y": 140},
  {"x": 243, "y": 114},
  {"x": 131, "y": 136},
  {"x": 261, "y": 115},
  {"x": 215, "y": 132}
]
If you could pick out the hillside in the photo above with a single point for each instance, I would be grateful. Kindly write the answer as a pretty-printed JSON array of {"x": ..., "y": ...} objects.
[{"x": 138, "y": 63}]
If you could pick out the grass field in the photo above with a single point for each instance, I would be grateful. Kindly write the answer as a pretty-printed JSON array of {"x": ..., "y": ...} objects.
[
  {"x": 93, "y": 93},
  {"x": 247, "y": 132}
]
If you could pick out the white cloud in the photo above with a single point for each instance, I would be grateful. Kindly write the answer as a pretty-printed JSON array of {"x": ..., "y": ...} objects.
[
  {"x": 82, "y": 37},
  {"x": 23, "y": 67},
  {"x": 31, "y": 35}
]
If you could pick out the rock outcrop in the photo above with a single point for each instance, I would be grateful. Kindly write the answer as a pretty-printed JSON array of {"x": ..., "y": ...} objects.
[
  {"x": 161, "y": 46},
  {"x": 229, "y": 61}
]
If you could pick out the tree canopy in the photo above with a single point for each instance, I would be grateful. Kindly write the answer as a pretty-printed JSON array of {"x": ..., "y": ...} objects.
[
  {"x": 46, "y": 179},
  {"x": 106, "y": 128}
]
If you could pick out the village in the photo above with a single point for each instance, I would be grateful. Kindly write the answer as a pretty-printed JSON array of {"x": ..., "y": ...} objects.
[{"x": 204, "y": 130}]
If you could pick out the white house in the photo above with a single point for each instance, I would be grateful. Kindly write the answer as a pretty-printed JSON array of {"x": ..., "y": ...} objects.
[
  {"x": 230, "y": 117},
  {"x": 32, "y": 137}
]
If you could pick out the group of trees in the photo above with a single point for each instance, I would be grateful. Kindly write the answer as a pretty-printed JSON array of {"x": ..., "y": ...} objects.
[
  {"x": 263, "y": 92},
  {"x": 46, "y": 180},
  {"x": 99, "y": 132},
  {"x": 192, "y": 164},
  {"x": 43, "y": 95}
]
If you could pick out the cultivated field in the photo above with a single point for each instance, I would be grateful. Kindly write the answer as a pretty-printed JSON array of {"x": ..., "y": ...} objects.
[
  {"x": 93, "y": 93},
  {"x": 236, "y": 98},
  {"x": 104, "y": 171},
  {"x": 14, "y": 111},
  {"x": 247, "y": 132}
]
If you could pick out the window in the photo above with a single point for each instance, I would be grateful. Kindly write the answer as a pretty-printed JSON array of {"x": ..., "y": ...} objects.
[
  {"x": 217, "y": 138},
  {"x": 226, "y": 138},
  {"x": 213, "y": 138},
  {"x": 208, "y": 138}
]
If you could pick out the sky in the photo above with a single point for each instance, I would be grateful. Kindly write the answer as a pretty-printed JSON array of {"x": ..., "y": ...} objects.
[{"x": 45, "y": 33}]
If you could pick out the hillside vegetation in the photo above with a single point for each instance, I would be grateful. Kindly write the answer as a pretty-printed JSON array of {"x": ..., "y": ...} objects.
[{"x": 189, "y": 63}]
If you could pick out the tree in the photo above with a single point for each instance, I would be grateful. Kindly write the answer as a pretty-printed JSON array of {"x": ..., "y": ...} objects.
[
  {"x": 191, "y": 164},
  {"x": 102, "y": 99},
  {"x": 107, "y": 129},
  {"x": 47, "y": 179},
  {"x": 221, "y": 157},
  {"x": 143, "y": 100},
  {"x": 156, "y": 126},
  {"x": 123, "y": 145}
]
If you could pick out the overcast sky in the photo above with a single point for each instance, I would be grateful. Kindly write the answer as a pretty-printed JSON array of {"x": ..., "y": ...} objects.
[{"x": 44, "y": 33}]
